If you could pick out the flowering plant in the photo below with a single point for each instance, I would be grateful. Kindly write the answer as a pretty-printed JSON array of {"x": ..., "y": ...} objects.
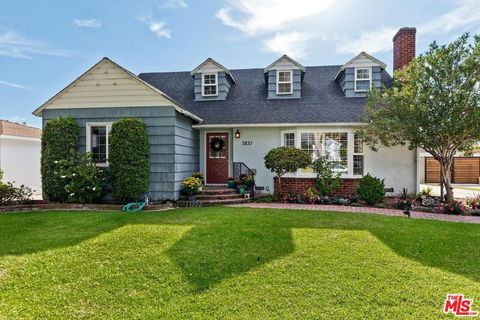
[
  {"x": 83, "y": 179},
  {"x": 456, "y": 208},
  {"x": 190, "y": 185},
  {"x": 473, "y": 202},
  {"x": 200, "y": 176}
]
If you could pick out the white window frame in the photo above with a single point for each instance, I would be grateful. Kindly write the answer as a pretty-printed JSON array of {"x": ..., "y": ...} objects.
[
  {"x": 284, "y": 82},
  {"x": 356, "y": 79},
  {"x": 357, "y": 154},
  {"x": 350, "y": 136},
  {"x": 282, "y": 137},
  {"x": 210, "y": 85},
  {"x": 88, "y": 135}
]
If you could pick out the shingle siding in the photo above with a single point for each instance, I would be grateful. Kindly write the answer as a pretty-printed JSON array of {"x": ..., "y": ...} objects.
[
  {"x": 173, "y": 142},
  {"x": 223, "y": 87},
  {"x": 272, "y": 86},
  {"x": 347, "y": 82}
]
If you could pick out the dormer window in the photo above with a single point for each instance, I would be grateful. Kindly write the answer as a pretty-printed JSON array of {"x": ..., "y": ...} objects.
[
  {"x": 284, "y": 82},
  {"x": 363, "y": 79},
  {"x": 209, "y": 84}
]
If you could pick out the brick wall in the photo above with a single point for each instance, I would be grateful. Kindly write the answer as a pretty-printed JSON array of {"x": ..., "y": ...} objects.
[
  {"x": 300, "y": 186},
  {"x": 403, "y": 47}
]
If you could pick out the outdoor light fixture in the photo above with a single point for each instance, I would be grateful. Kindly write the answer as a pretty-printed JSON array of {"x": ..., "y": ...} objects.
[{"x": 237, "y": 134}]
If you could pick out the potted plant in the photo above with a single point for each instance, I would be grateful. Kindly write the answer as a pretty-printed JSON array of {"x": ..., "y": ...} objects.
[
  {"x": 190, "y": 187},
  {"x": 231, "y": 182},
  {"x": 201, "y": 177}
]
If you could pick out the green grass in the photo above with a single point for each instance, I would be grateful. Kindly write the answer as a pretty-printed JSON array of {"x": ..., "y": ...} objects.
[{"x": 232, "y": 263}]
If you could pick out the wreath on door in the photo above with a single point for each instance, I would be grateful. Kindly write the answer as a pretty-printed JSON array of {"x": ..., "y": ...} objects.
[{"x": 217, "y": 144}]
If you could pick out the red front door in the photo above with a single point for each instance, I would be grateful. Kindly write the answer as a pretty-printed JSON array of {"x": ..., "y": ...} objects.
[{"x": 217, "y": 157}]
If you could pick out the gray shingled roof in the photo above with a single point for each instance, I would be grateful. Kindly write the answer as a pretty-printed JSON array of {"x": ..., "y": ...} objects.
[{"x": 322, "y": 99}]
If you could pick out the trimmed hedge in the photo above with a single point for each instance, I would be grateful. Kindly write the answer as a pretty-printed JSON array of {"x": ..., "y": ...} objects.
[
  {"x": 129, "y": 160},
  {"x": 59, "y": 142}
]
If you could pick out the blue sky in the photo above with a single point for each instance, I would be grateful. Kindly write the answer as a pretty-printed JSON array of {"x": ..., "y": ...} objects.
[{"x": 44, "y": 45}]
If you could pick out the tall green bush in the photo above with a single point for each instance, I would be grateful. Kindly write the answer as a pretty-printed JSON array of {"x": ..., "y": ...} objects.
[
  {"x": 371, "y": 189},
  {"x": 129, "y": 160},
  {"x": 59, "y": 142}
]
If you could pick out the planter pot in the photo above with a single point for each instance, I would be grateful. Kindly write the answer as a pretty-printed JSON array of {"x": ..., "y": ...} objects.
[
  {"x": 241, "y": 190},
  {"x": 192, "y": 197},
  {"x": 231, "y": 184}
]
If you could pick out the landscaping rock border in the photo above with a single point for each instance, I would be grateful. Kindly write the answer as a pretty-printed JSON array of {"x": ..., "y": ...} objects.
[{"x": 78, "y": 206}]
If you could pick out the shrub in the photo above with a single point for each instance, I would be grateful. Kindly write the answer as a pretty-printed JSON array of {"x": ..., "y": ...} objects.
[
  {"x": 473, "y": 202},
  {"x": 129, "y": 160},
  {"x": 456, "y": 208},
  {"x": 310, "y": 195},
  {"x": 83, "y": 179},
  {"x": 371, "y": 190},
  {"x": 191, "y": 185},
  {"x": 286, "y": 159},
  {"x": 9, "y": 194},
  {"x": 59, "y": 142},
  {"x": 326, "y": 180},
  {"x": 245, "y": 180}
]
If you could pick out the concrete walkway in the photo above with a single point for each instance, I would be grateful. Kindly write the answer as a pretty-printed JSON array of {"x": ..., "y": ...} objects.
[
  {"x": 381, "y": 211},
  {"x": 459, "y": 191}
]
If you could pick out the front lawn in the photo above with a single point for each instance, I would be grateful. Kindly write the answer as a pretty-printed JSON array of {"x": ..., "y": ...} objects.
[{"x": 232, "y": 263}]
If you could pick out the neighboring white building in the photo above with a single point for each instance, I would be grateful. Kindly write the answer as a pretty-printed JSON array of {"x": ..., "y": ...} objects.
[{"x": 20, "y": 147}]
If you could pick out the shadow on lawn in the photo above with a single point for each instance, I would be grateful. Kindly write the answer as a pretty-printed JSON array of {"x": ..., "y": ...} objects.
[{"x": 226, "y": 242}]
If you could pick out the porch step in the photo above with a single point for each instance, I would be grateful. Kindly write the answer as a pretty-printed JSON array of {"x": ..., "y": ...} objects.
[
  {"x": 217, "y": 190},
  {"x": 214, "y": 202},
  {"x": 218, "y": 196}
]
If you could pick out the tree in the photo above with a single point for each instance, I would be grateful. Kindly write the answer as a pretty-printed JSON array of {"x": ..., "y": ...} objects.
[
  {"x": 129, "y": 160},
  {"x": 286, "y": 159},
  {"x": 326, "y": 180},
  {"x": 434, "y": 104}
]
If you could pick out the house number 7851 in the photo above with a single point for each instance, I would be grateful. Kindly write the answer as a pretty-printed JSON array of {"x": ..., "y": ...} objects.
[{"x": 247, "y": 143}]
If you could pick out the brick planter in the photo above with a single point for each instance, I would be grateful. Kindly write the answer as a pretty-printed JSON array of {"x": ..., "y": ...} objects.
[{"x": 300, "y": 186}]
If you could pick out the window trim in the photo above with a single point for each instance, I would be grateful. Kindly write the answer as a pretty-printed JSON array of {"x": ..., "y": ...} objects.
[
  {"x": 284, "y": 82},
  {"x": 88, "y": 137},
  {"x": 298, "y": 133},
  {"x": 369, "y": 79},
  {"x": 210, "y": 85},
  {"x": 357, "y": 154},
  {"x": 282, "y": 137}
]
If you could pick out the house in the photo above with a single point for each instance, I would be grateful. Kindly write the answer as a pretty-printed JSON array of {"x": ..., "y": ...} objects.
[
  {"x": 20, "y": 155},
  {"x": 219, "y": 120}
]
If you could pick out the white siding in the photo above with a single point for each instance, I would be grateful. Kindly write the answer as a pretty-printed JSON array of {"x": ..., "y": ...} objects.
[{"x": 20, "y": 162}]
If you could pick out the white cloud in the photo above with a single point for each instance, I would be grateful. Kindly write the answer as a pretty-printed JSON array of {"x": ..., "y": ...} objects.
[
  {"x": 371, "y": 42},
  {"x": 157, "y": 27},
  {"x": 256, "y": 16},
  {"x": 88, "y": 23},
  {"x": 14, "y": 45},
  {"x": 173, "y": 4},
  {"x": 291, "y": 43},
  {"x": 12, "y": 85},
  {"x": 464, "y": 15}
]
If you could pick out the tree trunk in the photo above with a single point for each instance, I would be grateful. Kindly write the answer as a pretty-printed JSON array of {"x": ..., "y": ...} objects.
[{"x": 445, "y": 174}]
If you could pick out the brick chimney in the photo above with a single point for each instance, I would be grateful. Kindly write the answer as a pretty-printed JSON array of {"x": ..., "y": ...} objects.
[{"x": 403, "y": 47}]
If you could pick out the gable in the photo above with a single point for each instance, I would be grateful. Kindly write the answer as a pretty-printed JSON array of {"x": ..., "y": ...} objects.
[
  {"x": 106, "y": 85},
  {"x": 285, "y": 63}
]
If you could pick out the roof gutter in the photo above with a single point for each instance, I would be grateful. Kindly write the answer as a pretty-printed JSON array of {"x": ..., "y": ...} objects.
[{"x": 277, "y": 125}]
